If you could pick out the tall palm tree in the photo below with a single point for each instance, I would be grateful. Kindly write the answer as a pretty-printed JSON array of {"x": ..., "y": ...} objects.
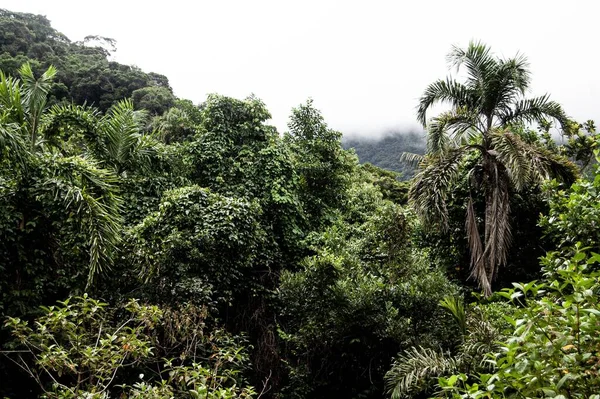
[{"x": 484, "y": 109}]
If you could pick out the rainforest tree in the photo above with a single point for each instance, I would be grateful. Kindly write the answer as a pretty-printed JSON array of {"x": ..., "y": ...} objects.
[{"x": 484, "y": 110}]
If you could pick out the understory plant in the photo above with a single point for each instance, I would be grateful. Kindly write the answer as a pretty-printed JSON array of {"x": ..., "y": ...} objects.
[{"x": 75, "y": 349}]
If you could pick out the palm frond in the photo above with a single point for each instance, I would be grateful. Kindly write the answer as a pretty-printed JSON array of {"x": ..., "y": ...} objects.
[
  {"x": 475, "y": 354},
  {"x": 449, "y": 91},
  {"x": 456, "y": 307},
  {"x": 534, "y": 110},
  {"x": 69, "y": 117},
  {"x": 431, "y": 184},
  {"x": 516, "y": 71},
  {"x": 12, "y": 141},
  {"x": 35, "y": 93},
  {"x": 511, "y": 152},
  {"x": 497, "y": 224},
  {"x": 91, "y": 194},
  {"x": 121, "y": 131},
  {"x": 548, "y": 165},
  {"x": 11, "y": 102},
  {"x": 411, "y": 159},
  {"x": 477, "y": 59},
  {"x": 437, "y": 135},
  {"x": 505, "y": 86},
  {"x": 450, "y": 128},
  {"x": 477, "y": 264},
  {"x": 414, "y": 368},
  {"x": 482, "y": 339},
  {"x": 124, "y": 142}
]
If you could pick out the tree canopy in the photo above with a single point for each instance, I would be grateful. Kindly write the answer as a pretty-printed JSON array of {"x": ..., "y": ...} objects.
[{"x": 153, "y": 248}]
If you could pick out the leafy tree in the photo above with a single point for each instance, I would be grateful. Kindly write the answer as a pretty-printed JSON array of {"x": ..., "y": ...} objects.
[
  {"x": 484, "y": 109},
  {"x": 23, "y": 102},
  {"x": 553, "y": 348},
  {"x": 388, "y": 183},
  {"x": 229, "y": 136},
  {"x": 582, "y": 142},
  {"x": 449, "y": 248},
  {"x": 179, "y": 123},
  {"x": 199, "y": 245},
  {"x": 324, "y": 167},
  {"x": 155, "y": 99},
  {"x": 364, "y": 295},
  {"x": 573, "y": 215}
]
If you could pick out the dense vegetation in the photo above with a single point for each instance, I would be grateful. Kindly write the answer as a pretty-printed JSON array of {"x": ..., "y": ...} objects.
[{"x": 151, "y": 248}]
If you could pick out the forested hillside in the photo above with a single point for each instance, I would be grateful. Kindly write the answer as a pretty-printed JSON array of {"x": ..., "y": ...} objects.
[
  {"x": 385, "y": 151},
  {"x": 84, "y": 72},
  {"x": 153, "y": 248}
]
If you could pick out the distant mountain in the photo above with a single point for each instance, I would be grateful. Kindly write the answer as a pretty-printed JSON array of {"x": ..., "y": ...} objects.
[{"x": 385, "y": 152}]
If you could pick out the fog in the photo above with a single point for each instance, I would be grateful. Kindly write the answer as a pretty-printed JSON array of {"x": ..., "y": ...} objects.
[{"x": 365, "y": 64}]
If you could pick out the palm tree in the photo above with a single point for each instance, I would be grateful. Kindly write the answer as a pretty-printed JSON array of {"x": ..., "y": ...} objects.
[
  {"x": 24, "y": 101},
  {"x": 76, "y": 183},
  {"x": 117, "y": 139},
  {"x": 484, "y": 110},
  {"x": 416, "y": 370}
]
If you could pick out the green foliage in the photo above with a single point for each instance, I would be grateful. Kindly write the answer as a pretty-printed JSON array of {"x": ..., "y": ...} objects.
[
  {"x": 84, "y": 190},
  {"x": 61, "y": 223},
  {"x": 450, "y": 250},
  {"x": 154, "y": 99},
  {"x": 230, "y": 135},
  {"x": 580, "y": 145},
  {"x": 71, "y": 339},
  {"x": 142, "y": 189},
  {"x": 553, "y": 348},
  {"x": 76, "y": 349},
  {"x": 268, "y": 259},
  {"x": 416, "y": 370},
  {"x": 85, "y": 75},
  {"x": 324, "y": 167},
  {"x": 179, "y": 123},
  {"x": 196, "y": 244},
  {"x": 456, "y": 307},
  {"x": 388, "y": 183},
  {"x": 363, "y": 295},
  {"x": 121, "y": 143},
  {"x": 573, "y": 215}
]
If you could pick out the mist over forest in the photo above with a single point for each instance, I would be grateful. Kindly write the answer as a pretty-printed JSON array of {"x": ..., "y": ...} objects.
[
  {"x": 384, "y": 150},
  {"x": 154, "y": 248}
]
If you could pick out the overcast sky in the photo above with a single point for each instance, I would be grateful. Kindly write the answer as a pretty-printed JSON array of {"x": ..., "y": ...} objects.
[{"x": 365, "y": 63}]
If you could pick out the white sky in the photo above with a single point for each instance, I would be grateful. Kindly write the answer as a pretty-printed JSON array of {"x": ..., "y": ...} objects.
[{"x": 365, "y": 63}]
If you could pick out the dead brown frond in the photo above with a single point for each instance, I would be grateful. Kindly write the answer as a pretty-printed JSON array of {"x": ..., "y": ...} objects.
[
  {"x": 478, "y": 269},
  {"x": 497, "y": 223}
]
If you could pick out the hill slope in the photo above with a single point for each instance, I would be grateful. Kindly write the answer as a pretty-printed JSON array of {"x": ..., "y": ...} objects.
[
  {"x": 85, "y": 73},
  {"x": 385, "y": 152}
]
